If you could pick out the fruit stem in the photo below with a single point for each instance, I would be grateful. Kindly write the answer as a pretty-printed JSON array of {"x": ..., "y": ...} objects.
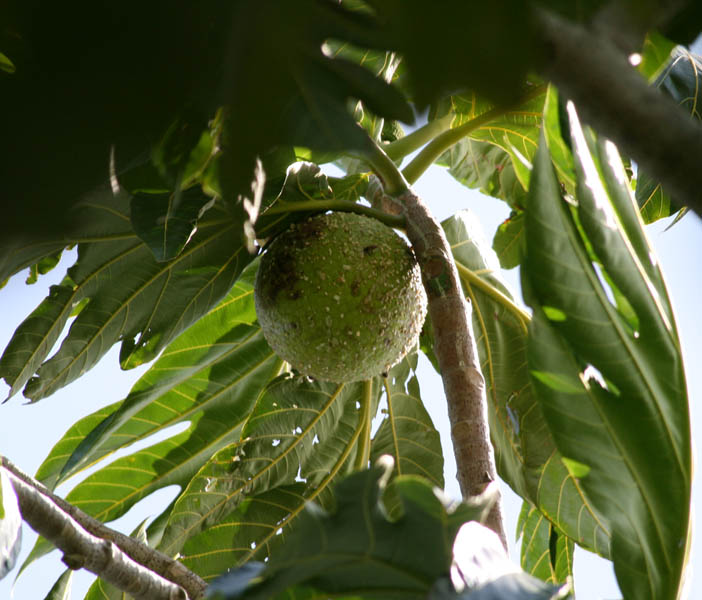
[
  {"x": 396, "y": 221},
  {"x": 363, "y": 452},
  {"x": 434, "y": 149}
]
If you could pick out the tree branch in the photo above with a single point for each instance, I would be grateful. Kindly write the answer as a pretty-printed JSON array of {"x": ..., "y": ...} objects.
[
  {"x": 611, "y": 96},
  {"x": 40, "y": 500},
  {"x": 454, "y": 345}
]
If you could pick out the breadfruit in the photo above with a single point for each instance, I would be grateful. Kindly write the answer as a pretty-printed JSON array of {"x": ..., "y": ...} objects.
[{"x": 340, "y": 297}]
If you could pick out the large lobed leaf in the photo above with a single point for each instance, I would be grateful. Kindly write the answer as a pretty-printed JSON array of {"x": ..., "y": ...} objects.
[
  {"x": 210, "y": 377},
  {"x": 605, "y": 359},
  {"x": 297, "y": 426},
  {"x": 124, "y": 295}
]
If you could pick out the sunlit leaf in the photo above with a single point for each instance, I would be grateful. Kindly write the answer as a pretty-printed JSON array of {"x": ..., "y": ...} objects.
[
  {"x": 545, "y": 552},
  {"x": 134, "y": 299},
  {"x": 406, "y": 432},
  {"x": 297, "y": 425},
  {"x": 516, "y": 131},
  {"x": 61, "y": 590}
]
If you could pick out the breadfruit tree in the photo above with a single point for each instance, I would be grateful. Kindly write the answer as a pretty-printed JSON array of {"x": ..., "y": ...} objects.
[{"x": 185, "y": 149}]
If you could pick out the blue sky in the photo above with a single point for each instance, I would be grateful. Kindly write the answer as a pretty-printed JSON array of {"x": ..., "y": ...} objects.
[{"x": 28, "y": 432}]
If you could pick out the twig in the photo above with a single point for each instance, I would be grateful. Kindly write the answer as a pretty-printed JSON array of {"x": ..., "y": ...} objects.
[
  {"x": 150, "y": 559},
  {"x": 82, "y": 550},
  {"x": 454, "y": 345}
]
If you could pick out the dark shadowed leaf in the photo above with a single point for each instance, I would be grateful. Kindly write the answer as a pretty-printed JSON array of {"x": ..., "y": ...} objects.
[
  {"x": 165, "y": 222},
  {"x": 294, "y": 92},
  {"x": 462, "y": 31}
]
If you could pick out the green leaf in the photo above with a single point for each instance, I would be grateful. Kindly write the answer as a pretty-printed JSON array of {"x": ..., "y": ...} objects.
[
  {"x": 526, "y": 456},
  {"x": 516, "y": 131},
  {"x": 133, "y": 299},
  {"x": 297, "y": 425},
  {"x": 355, "y": 550},
  {"x": 509, "y": 242},
  {"x": 6, "y": 64},
  {"x": 406, "y": 432},
  {"x": 214, "y": 364},
  {"x": 261, "y": 523},
  {"x": 101, "y": 590},
  {"x": 43, "y": 267},
  {"x": 680, "y": 80},
  {"x": 629, "y": 421},
  {"x": 487, "y": 167},
  {"x": 655, "y": 54},
  {"x": 165, "y": 222},
  {"x": 250, "y": 532},
  {"x": 545, "y": 552},
  {"x": 61, "y": 590}
]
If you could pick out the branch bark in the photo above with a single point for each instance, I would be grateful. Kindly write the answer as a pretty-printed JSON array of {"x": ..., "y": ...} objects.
[
  {"x": 454, "y": 346},
  {"x": 611, "y": 96},
  {"x": 91, "y": 545}
]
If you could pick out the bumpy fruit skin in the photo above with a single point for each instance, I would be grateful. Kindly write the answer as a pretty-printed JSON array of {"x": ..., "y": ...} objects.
[{"x": 340, "y": 297}]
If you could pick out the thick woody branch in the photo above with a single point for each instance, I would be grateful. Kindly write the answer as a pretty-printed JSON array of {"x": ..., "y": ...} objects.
[
  {"x": 454, "y": 346},
  {"x": 613, "y": 98},
  {"x": 152, "y": 561}
]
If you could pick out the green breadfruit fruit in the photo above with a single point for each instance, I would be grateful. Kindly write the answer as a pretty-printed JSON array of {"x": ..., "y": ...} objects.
[{"x": 340, "y": 297}]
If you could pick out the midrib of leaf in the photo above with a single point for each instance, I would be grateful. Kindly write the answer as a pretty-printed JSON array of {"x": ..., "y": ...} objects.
[
  {"x": 166, "y": 269},
  {"x": 396, "y": 437},
  {"x": 395, "y": 440},
  {"x": 587, "y": 269},
  {"x": 363, "y": 454},
  {"x": 269, "y": 466}
]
